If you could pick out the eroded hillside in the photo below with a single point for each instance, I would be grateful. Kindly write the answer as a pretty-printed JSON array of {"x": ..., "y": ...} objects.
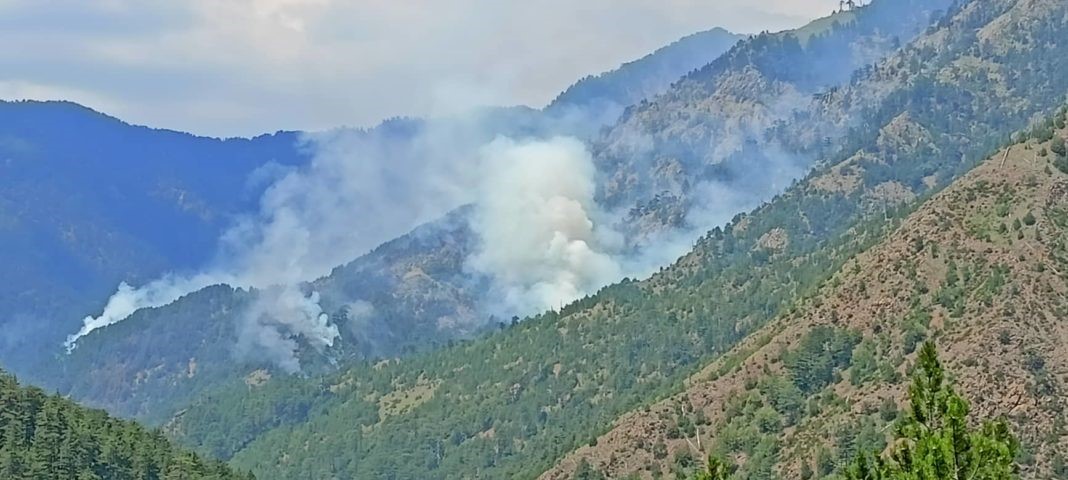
[{"x": 982, "y": 268}]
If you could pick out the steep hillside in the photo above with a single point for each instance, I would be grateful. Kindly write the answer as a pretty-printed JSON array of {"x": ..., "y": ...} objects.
[
  {"x": 749, "y": 117},
  {"x": 46, "y": 437},
  {"x": 982, "y": 268},
  {"x": 87, "y": 201},
  {"x": 413, "y": 297},
  {"x": 602, "y": 98},
  {"x": 511, "y": 404}
]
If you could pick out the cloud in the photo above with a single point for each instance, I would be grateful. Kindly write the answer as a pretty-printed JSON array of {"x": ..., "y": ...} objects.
[{"x": 241, "y": 67}]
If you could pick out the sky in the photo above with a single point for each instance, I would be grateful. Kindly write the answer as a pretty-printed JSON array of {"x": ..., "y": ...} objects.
[{"x": 245, "y": 67}]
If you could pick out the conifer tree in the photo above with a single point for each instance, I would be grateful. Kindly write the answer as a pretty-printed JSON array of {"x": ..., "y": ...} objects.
[
  {"x": 934, "y": 441},
  {"x": 716, "y": 469},
  {"x": 48, "y": 437}
]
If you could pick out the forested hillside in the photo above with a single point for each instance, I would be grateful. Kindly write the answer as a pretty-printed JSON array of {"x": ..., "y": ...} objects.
[
  {"x": 758, "y": 117},
  {"x": 981, "y": 268},
  {"x": 87, "y": 201},
  {"x": 418, "y": 287},
  {"x": 48, "y": 437},
  {"x": 511, "y": 404},
  {"x": 412, "y": 293},
  {"x": 160, "y": 359}
]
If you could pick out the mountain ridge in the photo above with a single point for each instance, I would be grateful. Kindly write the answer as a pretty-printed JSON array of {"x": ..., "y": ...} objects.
[
  {"x": 892, "y": 295},
  {"x": 553, "y": 382},
  {"x": 426, "y": 279}
]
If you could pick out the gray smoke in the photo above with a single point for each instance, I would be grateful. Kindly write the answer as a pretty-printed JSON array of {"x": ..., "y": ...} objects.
[{"x": 543, "y": 241}]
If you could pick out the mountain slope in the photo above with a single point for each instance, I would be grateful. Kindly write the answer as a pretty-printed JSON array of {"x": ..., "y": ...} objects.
[
  {"x": 44, "y": 437},
  {"x": 982, "y": 268},
  {"x": 410, "y": 294},
  {"x": 749, "y": 118},
  {"x": 63, "y": 164},
  {"x": 418, "y": 287},
  {"x": 511, "y": 404},
  {"x": 87, "y": 201},
  {"x": 607, "y": 94},
  {"x": 411, "y": 298}
]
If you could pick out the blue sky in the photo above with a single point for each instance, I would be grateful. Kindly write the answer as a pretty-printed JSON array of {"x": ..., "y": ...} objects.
[{"x": 242, "y": 67}]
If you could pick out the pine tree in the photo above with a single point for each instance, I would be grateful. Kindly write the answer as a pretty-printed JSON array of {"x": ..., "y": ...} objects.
[
  {"x": 716, "y": 469},
  {"x": 12, "y": 430},
  {"x": 934, "y": 440},
  {"x": 47, "y": 439}
]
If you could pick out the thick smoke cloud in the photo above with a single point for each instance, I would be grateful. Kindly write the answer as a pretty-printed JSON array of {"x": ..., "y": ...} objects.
[
  {"x": 269, "y": 329},
  {"x": 360, "y": 189},
  {"x": 543, "y": 241},
  {"x": 537, "y": 222}
]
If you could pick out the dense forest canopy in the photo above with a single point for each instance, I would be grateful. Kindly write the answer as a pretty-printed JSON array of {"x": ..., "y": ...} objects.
[{"x": 48, "y": 437}]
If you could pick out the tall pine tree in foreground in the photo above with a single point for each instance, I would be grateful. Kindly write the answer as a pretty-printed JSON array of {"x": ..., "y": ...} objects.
[{"x": 934, "y": 441}]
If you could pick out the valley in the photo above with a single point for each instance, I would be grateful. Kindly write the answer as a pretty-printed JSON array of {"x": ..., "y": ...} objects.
[{"x": 728, "y": 253}]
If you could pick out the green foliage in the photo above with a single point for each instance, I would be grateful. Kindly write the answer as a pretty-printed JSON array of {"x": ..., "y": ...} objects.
[
  {"x": 1057, "y": 146},
  {"x": 47, "y": 437},
  {"x": 715, "y": 469},
  {"x": 865, "y": 366},
  {"x": 1061, "y": 164},
  {"x": 935, "y": 441},
  {"x": 586, "y": 472},
  {"x": 500, "y": 411},
  {"x": 822, "y": 352}
]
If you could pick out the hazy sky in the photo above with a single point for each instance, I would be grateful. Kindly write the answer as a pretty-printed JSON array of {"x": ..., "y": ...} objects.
[{"x": 242, "y": 67}]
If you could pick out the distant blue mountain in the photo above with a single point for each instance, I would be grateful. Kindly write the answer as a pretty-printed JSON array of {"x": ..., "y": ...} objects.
[
  {"x": 87, "y": 201},
  {"x": 603, "y": 97}
]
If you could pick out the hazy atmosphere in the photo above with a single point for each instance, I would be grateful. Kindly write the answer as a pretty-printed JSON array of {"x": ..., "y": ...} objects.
[
  {"x": 244, "y": 67},
  {"x": 548, "y": 240}
]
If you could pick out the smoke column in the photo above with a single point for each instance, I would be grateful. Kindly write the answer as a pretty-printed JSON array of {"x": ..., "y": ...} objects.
[{"x": 535, "y": 218}]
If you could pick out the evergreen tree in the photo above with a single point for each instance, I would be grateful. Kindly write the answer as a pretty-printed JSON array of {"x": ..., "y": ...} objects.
[
  {"x": 934, "y": 440},
  {"x": 716, "y": 469},
  {"x": 47, "y": 437}
]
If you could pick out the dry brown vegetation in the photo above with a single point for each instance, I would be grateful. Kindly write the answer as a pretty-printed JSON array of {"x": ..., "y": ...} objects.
[{"x": 985, "y": 259}]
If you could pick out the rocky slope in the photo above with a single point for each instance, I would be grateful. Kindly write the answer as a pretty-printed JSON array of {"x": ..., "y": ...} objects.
[
  {"x": 981, "y": 268},
  {"x": 750, "y": 118}
]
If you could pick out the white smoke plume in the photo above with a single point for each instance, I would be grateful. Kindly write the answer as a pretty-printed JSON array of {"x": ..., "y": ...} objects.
[
  {"x": 544, "y": 241},
  {"x": 127, "y": 300},
  {"x": 359, "y": 190},
  {"x": 270, "y": 328},
  {"x": 537, "y": 222}
]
